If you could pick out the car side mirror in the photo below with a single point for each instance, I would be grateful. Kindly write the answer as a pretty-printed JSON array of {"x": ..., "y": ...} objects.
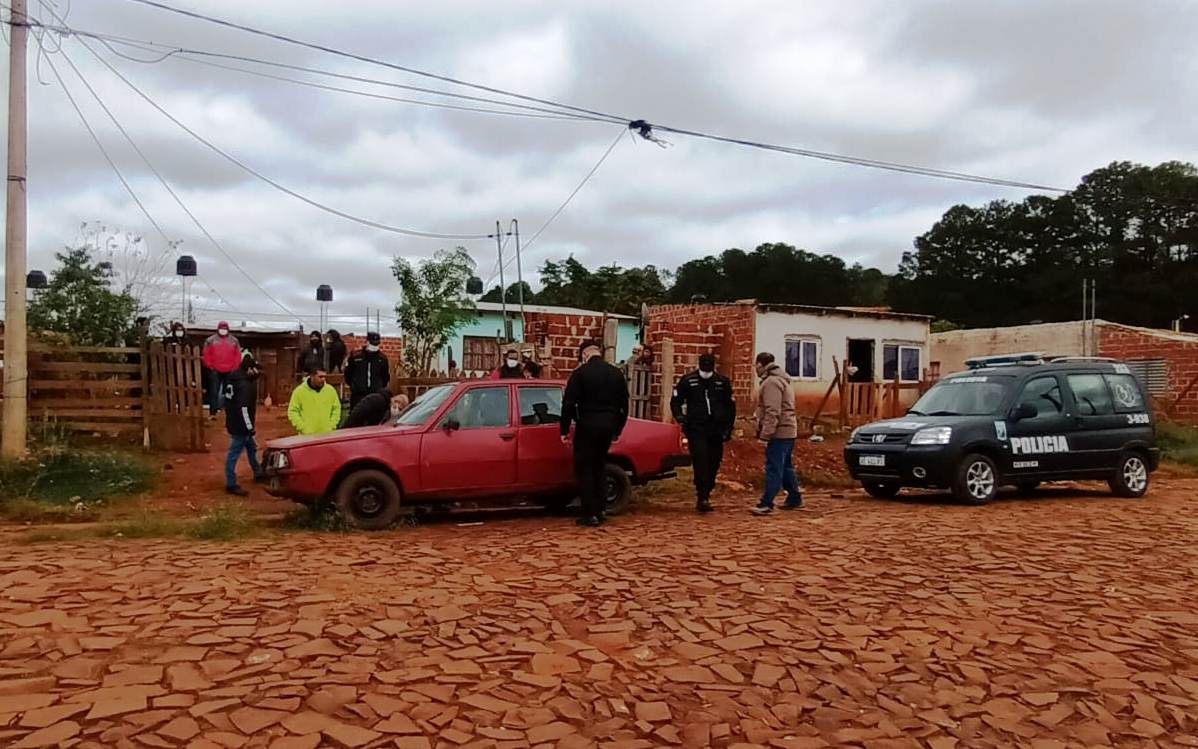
[
  {"x": 452, "y": 425},
  {"x": 1025, "y": 411}
]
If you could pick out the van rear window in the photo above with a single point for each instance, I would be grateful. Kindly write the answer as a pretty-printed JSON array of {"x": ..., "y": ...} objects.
[{"x": 1126, "y": 392}]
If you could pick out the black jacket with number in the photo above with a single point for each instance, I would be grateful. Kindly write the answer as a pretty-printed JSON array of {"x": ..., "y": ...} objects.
[
  {"x": 701, "y": 405},
  {"x": 242, "y": 407},
  {"x": 367, "y": 372},
  {"x": 596, "y": 395}
]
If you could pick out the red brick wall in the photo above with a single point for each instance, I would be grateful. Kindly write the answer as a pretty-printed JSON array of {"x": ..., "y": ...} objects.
[
  {"x": 557, "y": 338},
  {"x": 1180, "y": 350},
  {"x": 726, "y": 330}
]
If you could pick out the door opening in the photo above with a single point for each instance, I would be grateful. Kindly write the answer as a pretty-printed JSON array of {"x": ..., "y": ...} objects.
[{"x": 860, "y": 359}]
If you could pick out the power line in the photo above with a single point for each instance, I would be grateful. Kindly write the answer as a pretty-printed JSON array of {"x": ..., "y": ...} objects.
[
  {"x": 562, "y": 207},
  {"x": 642, "y": 127},
  {"x": 273, "y": 183}
]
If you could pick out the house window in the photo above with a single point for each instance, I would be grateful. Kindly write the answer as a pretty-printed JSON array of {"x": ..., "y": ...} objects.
[
  {"x": 900, "y": 362},
  {"x": 479, "y": 354},
  {"x": 802, "y": 358}
]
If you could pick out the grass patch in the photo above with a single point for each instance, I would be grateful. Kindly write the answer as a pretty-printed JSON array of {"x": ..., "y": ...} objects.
[
  {"x": 225, "y": 522},
  {"x": 67, "y": 485},
  {"x": 1178, "y": 443},
  {"x": 318, "y": 518}
]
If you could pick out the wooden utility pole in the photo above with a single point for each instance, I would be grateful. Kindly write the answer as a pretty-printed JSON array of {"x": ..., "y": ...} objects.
[{"x": 16, "y": 358}]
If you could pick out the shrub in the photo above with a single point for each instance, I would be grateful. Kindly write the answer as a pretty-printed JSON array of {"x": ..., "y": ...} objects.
[
  {"x": 225, "y": 522},
  {"x": 1178, "y": 443}
]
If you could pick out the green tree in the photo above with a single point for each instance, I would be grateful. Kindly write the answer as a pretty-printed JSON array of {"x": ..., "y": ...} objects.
[
  {"x": 569, "y": 283},
  {"x": 80, "y": 303},
  {"x": 513, "y": 294},
  {"x": 433, "y": 304}
]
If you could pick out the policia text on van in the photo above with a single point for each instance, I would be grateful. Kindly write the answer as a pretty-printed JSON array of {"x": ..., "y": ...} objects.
[{"x": 1014, "y": 421}]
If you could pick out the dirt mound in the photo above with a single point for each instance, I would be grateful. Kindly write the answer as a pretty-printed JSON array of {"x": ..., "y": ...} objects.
[{"x": 818, "y": 463}]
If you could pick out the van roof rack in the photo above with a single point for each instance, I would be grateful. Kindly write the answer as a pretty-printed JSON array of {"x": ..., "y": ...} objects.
[{"x": 1003, "y": 360}]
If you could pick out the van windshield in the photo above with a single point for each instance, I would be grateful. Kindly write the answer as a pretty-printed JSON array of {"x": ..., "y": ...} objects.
[
  {"x": 980, "y": 395},
  {"x": 425, "y": 405}
]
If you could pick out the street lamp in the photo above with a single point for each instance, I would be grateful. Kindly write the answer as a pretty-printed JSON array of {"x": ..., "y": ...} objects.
[
  {"x": 35, "y": 280},
  {"x": 324, "y": 295},
  {"x": 185, "y": 269}
]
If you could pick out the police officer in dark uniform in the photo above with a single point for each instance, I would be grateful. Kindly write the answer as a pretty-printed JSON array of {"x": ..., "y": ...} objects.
[
  {"x": 367, "y": 371},
  {"x": 704, "y": 406},
  {"x": 596, "y": 400}
]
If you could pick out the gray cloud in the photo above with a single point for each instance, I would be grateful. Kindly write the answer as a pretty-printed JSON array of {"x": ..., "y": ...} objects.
[{"x": 1024, "y": 90}]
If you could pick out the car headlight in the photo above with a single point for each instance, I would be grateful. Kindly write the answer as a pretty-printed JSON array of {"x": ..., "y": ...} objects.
[{"x": 933, "y": 436}]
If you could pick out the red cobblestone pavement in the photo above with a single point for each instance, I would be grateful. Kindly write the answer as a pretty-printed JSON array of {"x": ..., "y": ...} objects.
[{"x": 1063, "y": 621}]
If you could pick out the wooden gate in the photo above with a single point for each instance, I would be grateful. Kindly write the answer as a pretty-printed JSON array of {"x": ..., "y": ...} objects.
[
  {"x": 860, "y": 403},
  {"x": 175, "y": 401},
  {"x": 640, "y": 380}
]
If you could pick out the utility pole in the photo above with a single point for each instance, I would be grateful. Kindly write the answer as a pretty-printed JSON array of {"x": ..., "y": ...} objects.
[
  {"x": 520, "y": 281},
  {"x": 502, "y": 288},
  {"x": 16, "y": 355}
]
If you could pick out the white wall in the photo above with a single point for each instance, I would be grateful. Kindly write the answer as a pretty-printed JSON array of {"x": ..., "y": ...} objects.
[
  {"x": 951, "y": 349},
  {"x": 833, "y": 330}
]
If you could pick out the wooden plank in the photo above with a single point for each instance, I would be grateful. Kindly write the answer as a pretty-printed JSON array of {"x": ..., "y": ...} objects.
[
  {"x": 45, "y": 348},
  {"x": 125, "y": 414},
  {"x": 87, "y": 366},
  {"x": 115, "y": 384},
  {"x": 112, "y": 401},
  {"x": 103, "y": 428}
]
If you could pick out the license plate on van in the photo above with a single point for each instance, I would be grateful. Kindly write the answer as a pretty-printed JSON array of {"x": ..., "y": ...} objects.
[{"x": 871, "y": 460}]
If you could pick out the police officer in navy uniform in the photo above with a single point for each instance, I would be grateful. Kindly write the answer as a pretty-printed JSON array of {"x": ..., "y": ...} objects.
[
  {"x": 704, "y": 406},
  {"x": 596, "y": 400}
]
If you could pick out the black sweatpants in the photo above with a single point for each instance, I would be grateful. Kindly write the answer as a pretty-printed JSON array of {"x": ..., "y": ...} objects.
[
  {"x": 591, "y": 443},
  {"x": 707, "y": 452}
]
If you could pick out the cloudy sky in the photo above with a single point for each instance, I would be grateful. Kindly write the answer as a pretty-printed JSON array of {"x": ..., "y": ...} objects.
[{"x": 1034, "y": 91}]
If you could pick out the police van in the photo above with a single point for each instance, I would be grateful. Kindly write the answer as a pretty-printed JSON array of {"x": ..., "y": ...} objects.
[{"x": 1014, "y": 420}]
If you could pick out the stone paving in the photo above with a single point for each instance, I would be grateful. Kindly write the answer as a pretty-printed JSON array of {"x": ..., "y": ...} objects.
[{"x": 1064, "y": 621}]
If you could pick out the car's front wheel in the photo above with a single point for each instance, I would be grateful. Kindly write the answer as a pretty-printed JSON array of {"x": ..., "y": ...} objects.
[
  {"x": 369, "y": 499},
  {"x": 976, "y": 482},
  {"x": 881, "y": 489},
  {"x": 1131, "y": 477},
  {"x": 618, "y": 495}
]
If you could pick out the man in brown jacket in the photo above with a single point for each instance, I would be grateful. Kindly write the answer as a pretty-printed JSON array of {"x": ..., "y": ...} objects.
[{"x": 777, "y": 427}]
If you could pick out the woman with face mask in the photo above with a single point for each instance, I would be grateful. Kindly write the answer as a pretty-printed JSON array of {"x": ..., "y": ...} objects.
[{"x": 511, "y": 369}]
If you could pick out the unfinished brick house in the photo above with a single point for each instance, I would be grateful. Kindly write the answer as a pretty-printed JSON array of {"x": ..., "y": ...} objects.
[
  {"x": 1165, "y": 361},
  {"x": 811, "y": 343}
]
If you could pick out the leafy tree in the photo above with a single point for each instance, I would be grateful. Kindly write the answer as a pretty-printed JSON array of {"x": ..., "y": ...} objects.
[
  {"x": 433, "y": 304},
  {"x": 569, "y": 283},
  {"x": 80, "y": 303},
  {"x": 513, "y": 294}
]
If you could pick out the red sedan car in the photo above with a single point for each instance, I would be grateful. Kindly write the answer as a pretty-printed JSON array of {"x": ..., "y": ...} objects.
[{"x": 487, "y": 439}]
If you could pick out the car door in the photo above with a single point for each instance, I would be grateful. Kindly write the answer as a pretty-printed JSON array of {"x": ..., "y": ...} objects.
[
  {"x": 1040, "y": 443},
  {"x": 1101, "y": 432},
  {"x": 472, "y": 448},
  {"x": 543, "y": 462}
]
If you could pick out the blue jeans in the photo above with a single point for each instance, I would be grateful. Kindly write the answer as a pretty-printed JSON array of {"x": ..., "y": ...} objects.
[
  {"x": 780, "y": 473},
  {"x": 218, "y": 381},
  {"x": 238, "y": 443}
]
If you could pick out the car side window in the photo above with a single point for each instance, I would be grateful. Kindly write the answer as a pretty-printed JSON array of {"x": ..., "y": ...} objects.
[
  {"x": 1126, "y": 391},
  {"x": 1044, "y": 393},
  {"x": 1091, "y": 395},
  {"x": 540, "y": 405},
  {"x": 482, "y": 407}
]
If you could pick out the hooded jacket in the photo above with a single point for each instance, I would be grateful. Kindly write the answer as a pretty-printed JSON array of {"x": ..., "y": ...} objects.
[
  {"x": 776, "y": 406},
  {"x": 311, "y": 358},
  {"x": 337, "y": 352},
  {"x": 241, "y": 409},
  {"x": 314, "y": 411},
  {"x": 222, "y": 354},
  {"x": 367, "y": 372}
]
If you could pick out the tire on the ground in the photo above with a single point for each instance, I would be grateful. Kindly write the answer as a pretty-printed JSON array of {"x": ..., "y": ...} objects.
[
  {"x": 881, "y": 489},
  {"x": 1131, "y": 477},
  {"x": 369, "y": 499},
  {"x": 619, "y": 490},
  {"x": 969, "y": 484}
]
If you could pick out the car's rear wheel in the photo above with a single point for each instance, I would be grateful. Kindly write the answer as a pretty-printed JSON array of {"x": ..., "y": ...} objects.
[
  {"x": 618, "y": 496},
  {"x": 369, "y": 499},
  {"x": 881, "y": 489},
  {"x": 976, "y": 482},
  {"x": 1131, "y": 477}
]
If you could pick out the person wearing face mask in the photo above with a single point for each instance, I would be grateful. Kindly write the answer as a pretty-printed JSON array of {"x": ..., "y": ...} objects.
[
  {"x": 315, "y": 406},
  {"x": 703, "y": 406},
  {"x": 777, "y": 427},
  {"x": 176, "y": 336},
  {"x": 376, "y": 409},
  {"x": 510, "y": 369},
  {"x": 367, "y": 371},
  {"x": 222, "y": 357},
  {"x": 239, "y": 422},
  {"x": 532, "y": 368},
  {"x": 313, "y": 356}
]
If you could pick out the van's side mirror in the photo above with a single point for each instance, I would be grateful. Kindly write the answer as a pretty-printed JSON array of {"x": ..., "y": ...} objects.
[
  {"x": 1025, "y": 411},
  {"x": 452, "y": 425}
]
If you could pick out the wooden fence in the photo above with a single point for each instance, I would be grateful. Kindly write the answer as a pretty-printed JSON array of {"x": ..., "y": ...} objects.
[
  {"x": 640, "y": 382},
  {"x": 174, "y": 402}
]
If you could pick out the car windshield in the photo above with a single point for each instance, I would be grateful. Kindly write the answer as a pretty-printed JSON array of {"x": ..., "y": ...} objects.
[
  {"x": 979, "y": 395},
  {"x": 424, "y": 406}
]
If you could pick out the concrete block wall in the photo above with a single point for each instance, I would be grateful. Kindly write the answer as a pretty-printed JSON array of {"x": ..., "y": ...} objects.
[{"x": 1180, "y": 350}]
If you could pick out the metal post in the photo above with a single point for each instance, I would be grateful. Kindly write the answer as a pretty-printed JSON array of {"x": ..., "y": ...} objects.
[
  {"x": 1093, "y": 317},
  {"x": 16, "y": 355},
  {"x": 502, "y": 288},
  {"x": 520, "y": 282},
  {"x": 1085, "y": 290}
]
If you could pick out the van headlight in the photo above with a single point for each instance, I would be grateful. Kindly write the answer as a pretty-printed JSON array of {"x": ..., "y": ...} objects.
[
  {"x": 933, "y": 436},
  {"x": 853, "y": 434}
]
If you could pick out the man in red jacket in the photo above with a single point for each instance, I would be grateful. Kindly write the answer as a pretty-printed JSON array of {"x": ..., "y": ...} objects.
[{"x": 222, "y": 357}]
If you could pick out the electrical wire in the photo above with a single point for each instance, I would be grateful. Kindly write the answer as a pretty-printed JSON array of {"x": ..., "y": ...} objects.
[
  {"x": 273, "y": 183},
  {"x": 536, "y": 235}
]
